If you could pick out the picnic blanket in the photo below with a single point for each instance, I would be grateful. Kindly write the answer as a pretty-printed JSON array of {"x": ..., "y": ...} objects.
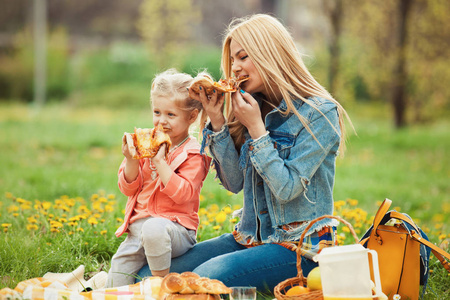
[{"x": 63, "y": 286}]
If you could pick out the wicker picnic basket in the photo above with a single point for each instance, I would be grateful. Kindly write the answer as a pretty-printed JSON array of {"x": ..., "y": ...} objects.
[{"x": 281, "y": 288}]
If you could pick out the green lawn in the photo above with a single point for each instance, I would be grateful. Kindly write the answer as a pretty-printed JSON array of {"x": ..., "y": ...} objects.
[{"x": 64, "y": 150}]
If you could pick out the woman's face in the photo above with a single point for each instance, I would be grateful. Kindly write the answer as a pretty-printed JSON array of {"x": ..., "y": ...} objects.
[{"x": 241, "y": 64}]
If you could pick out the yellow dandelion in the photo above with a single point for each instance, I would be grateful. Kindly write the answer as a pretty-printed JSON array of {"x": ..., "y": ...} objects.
[
  {"x": 217, "y": 227},
  {"x": 94, "y": 197},
  {"x": 54, "y": 229},
  {"x": 72, "y": 223},
  {"x": 205, "y": 223},
  {"x": 46, "y": 205},
  {"x": 230, "y": 193},
  {"x": 56, "y": 224},
  {"x": 352, "y": 202},
  {"x": 438, "y": 218},
  {"x": 80, "y": 229},
  {"x": 15, "y": 215},
  {"x": 13, "y": 208},
  {"x": 236, "y": 206},
  {"x": 32, "y": 227},
  {"x": 6, "y": 225},
  {"x": 111, "y": 196},
  {"x": 438, "y": 226},
  {"x": 221, "y": 217},
  {"x": 109, "y": 208},
  {"x": 234, "y": 220},
  {"x": 92, "y": 221},
  {"x": 442, "y": 236},
  {"x": 119, "y": 220},
  {"x": 227, "y": 210},
  {"x": 213, "y": 208},
  {"x": 8, "y": 195},
  {"x": 103, "y": 232},
  {"x": 202, "y": 211},
  {"x": 202, "y": 198},
  {"x": 31, "y": 220},
  {"x": 25, "y": 206},
  {"x": 83, "y": 208}
]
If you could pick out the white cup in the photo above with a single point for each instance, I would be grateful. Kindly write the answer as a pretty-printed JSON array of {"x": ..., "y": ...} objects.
[{"x": 243, "y": 293}]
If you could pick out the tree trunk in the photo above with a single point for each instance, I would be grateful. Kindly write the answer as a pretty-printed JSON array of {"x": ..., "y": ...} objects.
[
  {"x": 399, "y": 97},
  {"x": 334, "y": 11}
]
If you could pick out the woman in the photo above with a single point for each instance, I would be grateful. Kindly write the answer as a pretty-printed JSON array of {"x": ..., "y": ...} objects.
[{"x": 278, "y": 143}]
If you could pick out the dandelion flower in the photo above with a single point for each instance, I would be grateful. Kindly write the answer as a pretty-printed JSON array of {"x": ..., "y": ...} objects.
[
  {"x": 32, "y": 227},
  {"x": 221, "y": 217},
  {"x": 92, "y": 221}
]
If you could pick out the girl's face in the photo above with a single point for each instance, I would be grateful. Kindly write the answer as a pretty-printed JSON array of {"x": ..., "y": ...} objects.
[
  {"x": 241, "y": 64},
  {"x": 173, "y": 119}
]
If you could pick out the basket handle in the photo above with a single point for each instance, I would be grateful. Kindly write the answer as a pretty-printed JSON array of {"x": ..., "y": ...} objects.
[{"x": 300, "y": 243}]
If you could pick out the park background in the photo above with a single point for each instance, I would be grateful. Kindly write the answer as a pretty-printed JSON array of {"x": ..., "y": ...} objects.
[{"x": 75, "y": 75}]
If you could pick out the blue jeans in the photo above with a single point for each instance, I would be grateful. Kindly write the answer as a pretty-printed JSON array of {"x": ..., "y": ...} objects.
[{"x": 224, "y": 259}]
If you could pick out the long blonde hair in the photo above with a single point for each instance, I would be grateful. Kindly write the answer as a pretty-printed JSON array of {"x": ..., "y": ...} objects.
[{"x": 272, "y": 50}]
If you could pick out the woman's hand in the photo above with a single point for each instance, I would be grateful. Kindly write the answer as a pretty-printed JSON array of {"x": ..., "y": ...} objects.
[
  {"x": 213, "y": 106},
  {"x": 247, "y": 111}
]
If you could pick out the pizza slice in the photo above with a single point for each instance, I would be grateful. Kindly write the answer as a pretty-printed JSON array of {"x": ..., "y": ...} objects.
[
  {"x": 147, "y": 141},
  {"x": 229, "y": 85}
]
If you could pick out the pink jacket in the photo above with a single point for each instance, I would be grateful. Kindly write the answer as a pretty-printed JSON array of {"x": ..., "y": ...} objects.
[{"x": 179, "y": 199}]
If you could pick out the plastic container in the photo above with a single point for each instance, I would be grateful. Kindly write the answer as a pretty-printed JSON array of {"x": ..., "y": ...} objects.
[{"x": 345, "y": 273}]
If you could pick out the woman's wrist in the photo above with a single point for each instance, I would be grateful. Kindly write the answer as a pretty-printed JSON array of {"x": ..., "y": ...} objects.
[
  {"x": 217, "y": 123},
  {"x": 257, "y": 132}
]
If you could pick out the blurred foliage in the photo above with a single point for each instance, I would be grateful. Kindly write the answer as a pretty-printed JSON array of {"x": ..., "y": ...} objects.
[
  {"x": 16, "y": 67},
  {"x": 166, "y": 27},
  {"x": 369, "y": 50},
  {"x": 119, "y": 73}
]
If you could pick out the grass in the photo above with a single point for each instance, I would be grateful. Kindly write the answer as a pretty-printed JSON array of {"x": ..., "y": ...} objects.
[{"x": 69, "y": 154}]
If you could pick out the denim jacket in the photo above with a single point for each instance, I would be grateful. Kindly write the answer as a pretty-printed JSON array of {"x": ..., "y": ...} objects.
[{"x": 286, "y": 176}]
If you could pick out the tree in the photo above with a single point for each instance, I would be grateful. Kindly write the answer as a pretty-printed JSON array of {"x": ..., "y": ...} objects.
[
  {"x": 334, "y": 11},
  {"x": 166, "y": 27},
  {"x": 399, "y": 76}
]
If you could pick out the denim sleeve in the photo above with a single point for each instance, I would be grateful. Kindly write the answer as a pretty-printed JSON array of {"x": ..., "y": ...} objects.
[
  {"x": 288, "y": 178},
  {"x": 225, "y": 158}
]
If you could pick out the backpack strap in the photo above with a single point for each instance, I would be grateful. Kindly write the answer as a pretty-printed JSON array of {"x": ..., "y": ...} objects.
[
  {"x": 399, "y": 216},
  {"x": 438, "y": 252},
  {"x": 381, "y": 212}
]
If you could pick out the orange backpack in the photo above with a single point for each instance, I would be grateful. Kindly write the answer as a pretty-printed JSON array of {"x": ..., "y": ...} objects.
[{"x": 403, "y": 252}]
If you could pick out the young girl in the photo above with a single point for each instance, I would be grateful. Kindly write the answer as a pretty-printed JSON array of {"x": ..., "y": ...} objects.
[
  {"x": 278, "y": 144},
  {"x": 161, "y": 214}
]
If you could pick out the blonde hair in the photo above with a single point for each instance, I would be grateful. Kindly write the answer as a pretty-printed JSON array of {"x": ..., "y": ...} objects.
[
  {"x": 173, "y": 84},
  {"x": 272, "y": 50}
]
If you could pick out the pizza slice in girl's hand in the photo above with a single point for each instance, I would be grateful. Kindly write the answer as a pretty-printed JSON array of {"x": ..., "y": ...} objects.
[{"x": 147, "y": 141}]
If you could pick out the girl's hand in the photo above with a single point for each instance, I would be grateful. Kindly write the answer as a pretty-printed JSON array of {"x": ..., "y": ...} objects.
[
  {"x": 160, "y": 156},
  {"x": 213, "y": 106},
  {"x": 247, "y": 111},
  {"x": 127, "y": 150}
]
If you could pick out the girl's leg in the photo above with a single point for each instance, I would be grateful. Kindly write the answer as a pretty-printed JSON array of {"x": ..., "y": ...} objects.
[
  {"x": 200, "y": 253},
  {"x": 128, "y": 259},
  {"x": 163, "y": 239}
]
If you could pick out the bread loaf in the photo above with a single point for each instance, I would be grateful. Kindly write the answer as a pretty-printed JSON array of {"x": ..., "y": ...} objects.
[{"x": 188, "y": 284}]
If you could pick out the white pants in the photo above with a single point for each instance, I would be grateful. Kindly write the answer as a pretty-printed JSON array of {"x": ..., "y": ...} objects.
[{"x": 151, "y": 240}]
